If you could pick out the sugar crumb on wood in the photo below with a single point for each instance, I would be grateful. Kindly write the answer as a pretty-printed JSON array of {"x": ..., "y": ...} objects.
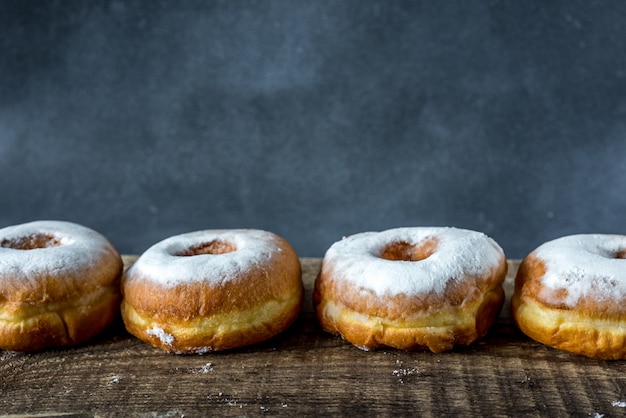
[
  {"x": 208, "y": 367},
  {"x": 116, "y": 378},
  {"x": 400, "y": 371},
  {"x": 226, "y": 400}
]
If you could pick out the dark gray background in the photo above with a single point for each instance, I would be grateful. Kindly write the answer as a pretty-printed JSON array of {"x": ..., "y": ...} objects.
[{"x": 314, "y": 119}]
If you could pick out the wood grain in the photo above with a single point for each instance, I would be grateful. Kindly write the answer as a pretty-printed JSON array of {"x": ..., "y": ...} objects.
[{"x": 306, "y": 372}]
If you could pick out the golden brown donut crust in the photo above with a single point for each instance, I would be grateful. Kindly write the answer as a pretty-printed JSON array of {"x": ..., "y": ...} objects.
[
  {"x": 63, "y": 307},
  {"x": 589, "y": 328},
  {"x": 49, "y": 325},
  {"x": 462, "y": 314},
  {"x": 201, "y": 316}
]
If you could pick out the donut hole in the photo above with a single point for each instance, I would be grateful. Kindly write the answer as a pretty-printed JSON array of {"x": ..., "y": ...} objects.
[
  {"x": 214, "y": 247},
  {"x": 620, "y": 254},
  {"x": 31, "y": 242},
  {"x": 404, "y": 251}
]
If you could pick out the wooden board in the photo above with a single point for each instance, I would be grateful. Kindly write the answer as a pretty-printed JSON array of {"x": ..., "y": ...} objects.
[{"x": 306, "y": 372}]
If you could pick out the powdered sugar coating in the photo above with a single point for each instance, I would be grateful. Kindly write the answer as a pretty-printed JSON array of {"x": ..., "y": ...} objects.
[
  {"x": 76, "y": 249},
  {"x": 460, "y": 253},
  {"x": 162, "y": 263},
  {"x": 165, "y": 338},
  {"x": 584, "y": 265}
]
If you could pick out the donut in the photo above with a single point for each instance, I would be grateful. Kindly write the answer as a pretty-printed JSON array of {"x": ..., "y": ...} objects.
[
  {"x": 59, "y": 285},
  {"x": 570, "y": 294},
  {"x": 212, "y": 290},
  {"x": 420, "y": 288}
]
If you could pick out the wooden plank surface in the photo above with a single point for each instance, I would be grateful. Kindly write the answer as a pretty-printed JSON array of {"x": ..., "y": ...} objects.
[{"x": 306, "y": 372}]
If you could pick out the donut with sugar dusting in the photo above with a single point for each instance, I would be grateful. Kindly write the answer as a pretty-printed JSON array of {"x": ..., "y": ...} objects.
[
  {"x": 570, "y": 294},
  {"x": 212, "y": 290},
  {"x": 411, "y": 288},
  {"x": 59, "y": 285}
]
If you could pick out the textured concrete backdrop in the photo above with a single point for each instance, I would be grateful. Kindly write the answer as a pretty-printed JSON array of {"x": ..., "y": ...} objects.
[{"x": 314, "y": 119}]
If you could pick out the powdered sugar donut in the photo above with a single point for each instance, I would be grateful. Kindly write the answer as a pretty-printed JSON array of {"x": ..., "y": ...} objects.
[
  {"x": 570, "y": 293},
  {"x": 411, "y": 288},
  {"x": 212, "y": 290},
  {"x": 59, "y": 285}
]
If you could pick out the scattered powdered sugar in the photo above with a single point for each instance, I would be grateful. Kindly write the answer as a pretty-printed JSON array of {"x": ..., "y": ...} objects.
[
  {"x": 459, "y": 253},
  {"x": 163, "y": 265},
  {"x": 401, "y": 372},
  {"x": 619, "y": 404},
  {"x": 161, "y": 335},
  {"x": 585, "y": 264},
  {"x": 227, "y": 400},
  {"x": 404, "y": 372},
  {"x": 202, "y": 369}
]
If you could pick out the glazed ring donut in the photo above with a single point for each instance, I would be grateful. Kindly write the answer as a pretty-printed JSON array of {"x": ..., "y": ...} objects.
[
  {"x": 570, "y": 294},
  {"x": 212, "y": 290},
  {"x": 59, "y": 285},
  {"x": 411, "y": 288}
]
